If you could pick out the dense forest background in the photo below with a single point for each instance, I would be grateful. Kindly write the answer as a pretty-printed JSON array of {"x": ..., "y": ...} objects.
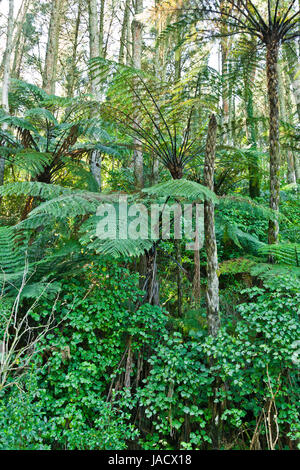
[{"x": 140, "y": 343}]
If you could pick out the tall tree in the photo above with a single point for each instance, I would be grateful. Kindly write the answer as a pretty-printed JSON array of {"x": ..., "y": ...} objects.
[
  {"x": 123, "y": 42},
  {"x": 17, "y": 40},
  {"x": 281, "y": 25},
  {"x": 50, "y": 68},
  {"x": 71, "y": 76},
  {"x": 212, "y": 291},
  {"x": 137, "y": 39},
  {"x": 6, "y": 72},
  {"x": 94, "y": 42}
]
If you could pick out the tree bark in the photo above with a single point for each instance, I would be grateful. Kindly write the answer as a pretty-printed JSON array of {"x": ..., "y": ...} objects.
[
  {"x": 212, "y": 291},
  {"x": 50, "y": 69},
  {"x": 6, "y": 74},
  {"x": 71, "y": 80},
  {"x": 123, "y": 42},
  {"x": 18, "y": 48},
  {"x": 94, "y": 40},
  {"x": 284, "y": 103},
  {"x": 273, "y": 96},
  {"x": 137, "y": 33},
  {"x": 197, "y": 273},
  {"x": 253, "y": 167},
  {"x": 101, "y": 29}
]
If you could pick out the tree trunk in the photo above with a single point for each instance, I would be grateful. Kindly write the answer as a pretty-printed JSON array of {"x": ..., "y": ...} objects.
[
  {"x": 95, "y": 167},
  {"x": 284, "y": 102},
  {"x": 50, "y": 69},
  {"x": 273, "y": 96},
  {"x": 293, "y": 70},
  {"x": 123, "y": 42},
  {"x": 212, "y": 292},
  {"x": 6, "y": 73},
  {"x": 253, "y": 167},
  {"x": 137, "y": 32},
  {"x": 101, "y": 29},
  {"x": 225, "y": 102},
  {"x": 18, "y": 48},
  {"x": 94, "y": 39},
  {"x": 197, "y": 273},
  {"x": 71, "y": 78}
]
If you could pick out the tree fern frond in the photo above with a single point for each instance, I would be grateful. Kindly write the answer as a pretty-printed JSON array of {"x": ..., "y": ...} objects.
[
  {"x": 39, "y": 115},
  {"x": 31, "y": 161},
  {"x": 182, "y": 188},
  {"x": 120, "y": 248},
  {"x": 12, "y": 251},
  {"x": 35, "y": 189},
  {"x": 266, "y": 271},
  {"x": 285, "y": 253}
]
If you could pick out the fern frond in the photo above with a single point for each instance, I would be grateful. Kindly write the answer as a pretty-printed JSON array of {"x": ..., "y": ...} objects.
[
  {"x": 266, "y": 271},
  {"x": 31, "y": 161},
  {"x": 35, "y": 189},
  {"x": 182, "y": 188},
  {"x": 12, "y": 251},
  {"x": 120, "y": 248},
  {"x": 285, "y": 253}
]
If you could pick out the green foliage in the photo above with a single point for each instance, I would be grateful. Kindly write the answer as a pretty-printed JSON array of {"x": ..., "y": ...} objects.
[
  {"x": 83, "y": 355},
  {"x": 181, "y": 188},
  {"x": 260, "y": 357},
  {"x": 23, "y": 421}
]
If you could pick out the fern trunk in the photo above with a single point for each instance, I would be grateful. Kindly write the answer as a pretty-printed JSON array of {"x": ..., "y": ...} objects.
[
  {"x": 212, "y": 291},
  {"x": 273, "y": 96}
]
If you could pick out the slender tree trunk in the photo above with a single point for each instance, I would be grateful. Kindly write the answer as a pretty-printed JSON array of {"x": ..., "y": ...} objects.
[
  {"x": 71, "y": 79},
  {"x": 291, "y": 176},
  {"x": 50, "y": 69},
  {"x": 273, "y": 95},
  {"x": 137, "y": 37},
  {"x": 197, "y": 273},
  {"x": 93, "y": 37},
  {"x": 178, "y": 52},
  {"x": 18, "y": 47},
  {"x": 225, "y": 102},
  {"x": 212, "y": 292},
  {"x": 6, "y": 74},
  {"x": 95, "y": 157},
  {"x": 225, "y": 49},
  {"x": 293, "y": 70},
  {"x": 101, "y": 29},
  {"x": 124, "y": 30},
  {"x": 253, "y": 167},
  {"x": 178, "y": 257}
]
